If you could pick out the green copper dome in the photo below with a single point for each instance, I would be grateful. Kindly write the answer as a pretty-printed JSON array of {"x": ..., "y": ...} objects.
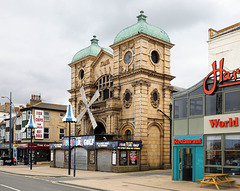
[
  {"x": 92, "y": 50},
  {"x": 142, "y": 27}
]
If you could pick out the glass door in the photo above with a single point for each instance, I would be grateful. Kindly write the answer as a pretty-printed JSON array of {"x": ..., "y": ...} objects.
[{"x": 185, "y": 161}]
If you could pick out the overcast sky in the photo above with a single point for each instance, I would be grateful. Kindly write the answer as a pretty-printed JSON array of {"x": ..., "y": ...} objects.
[{"x": 38, "y": 38}]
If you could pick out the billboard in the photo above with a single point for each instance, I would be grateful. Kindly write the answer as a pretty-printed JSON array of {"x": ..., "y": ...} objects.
[{"x": 39, "y": 123}]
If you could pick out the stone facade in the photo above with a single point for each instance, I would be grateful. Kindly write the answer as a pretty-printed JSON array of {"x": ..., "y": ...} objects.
[{"x": 132, "y": 89}]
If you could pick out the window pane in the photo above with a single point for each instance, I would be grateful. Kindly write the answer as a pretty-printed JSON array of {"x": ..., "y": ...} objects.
[
  {"x": 232, "y": 101},
  {"x": 232, "y": 142},
  {"x": 105, "y": 94},
  {"x": 180, "y": 108},
  {"x": 232, "y": 158},
  {"x": 196, "y": 106},
  {"x": 198, "y": 91},
  {"x": 213, "y": 170},
  {"x": 231, "y": 171},
  {"x": 213, "y": 104},
  {"x": 213, "y": 143},
  {"x": 213, "y": 157}
]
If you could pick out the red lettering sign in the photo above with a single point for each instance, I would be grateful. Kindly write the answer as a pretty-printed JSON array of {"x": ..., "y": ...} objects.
[
  {"x": 223, "y": 77},
  {"x": 230, "y": 123},
  {"x": 190, "y": 141}
]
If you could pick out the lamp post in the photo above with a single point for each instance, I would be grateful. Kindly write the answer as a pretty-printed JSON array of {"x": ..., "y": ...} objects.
[
  {"x": 10, "y": 126},
  {"x": 31, "y": 125},
  {"x": 69, "y": 117}
]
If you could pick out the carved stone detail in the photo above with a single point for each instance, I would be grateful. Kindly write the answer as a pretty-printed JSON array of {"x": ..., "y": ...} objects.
[
  {"x": 127, "y": 98},
  {"x": 155, "y": 98}
]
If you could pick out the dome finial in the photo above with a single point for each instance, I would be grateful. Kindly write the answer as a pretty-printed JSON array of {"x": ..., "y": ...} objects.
[
  {"x": 94, "y": 40},
  {"x": 141, "y": 17}
]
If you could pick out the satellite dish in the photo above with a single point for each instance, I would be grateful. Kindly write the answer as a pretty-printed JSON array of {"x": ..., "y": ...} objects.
[{"x": 87, "y": 107}]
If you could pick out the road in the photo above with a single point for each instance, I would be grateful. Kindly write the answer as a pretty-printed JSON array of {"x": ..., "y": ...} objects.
[{"x": 11, "y": 182}]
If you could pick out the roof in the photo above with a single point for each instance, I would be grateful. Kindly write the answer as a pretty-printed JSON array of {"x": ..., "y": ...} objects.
[
  {"x": 48, "y": 106},
  {"x": 212, "y": 33},
  {"x": 142, "y": 27},
  {"x": 91, "y": 50}
]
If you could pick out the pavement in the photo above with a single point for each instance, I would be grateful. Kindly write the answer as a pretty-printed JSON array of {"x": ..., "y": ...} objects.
[{"x": 153, "y": 180}]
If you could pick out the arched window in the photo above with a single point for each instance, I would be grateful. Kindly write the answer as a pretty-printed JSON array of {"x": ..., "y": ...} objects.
[
  {"x": 103, "y": 85},
  {"x": 128, "y": 135}
]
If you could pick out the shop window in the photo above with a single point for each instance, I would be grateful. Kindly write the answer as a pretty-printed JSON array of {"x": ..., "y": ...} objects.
[
  {"x": 232, "y": 101},
  {"x": 196, "y": 106},
  {"x": 123, "y": 158},
  {"x": 213, "y": 150},
  {"x": 180, "y": 108},
  {"x": 46, "y": 133},
  {"x": 133, "y": 157},
  {"x": 61, "y": 133},
  {"x": 232, "y": 150},
  {"x": 46, "y": 116},
  {"x": 213, "y": 104},
  {"x": 223, "y": 158}
]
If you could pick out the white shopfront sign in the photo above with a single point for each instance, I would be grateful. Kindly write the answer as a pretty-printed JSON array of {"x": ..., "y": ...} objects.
[
  {"x": 225, "y": 123},
  {"x": 39, "y": 117}
]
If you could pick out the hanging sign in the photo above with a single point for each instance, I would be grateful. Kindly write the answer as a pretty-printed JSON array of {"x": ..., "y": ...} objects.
[
  {"x": 39, "y": 122},
  {"x": 220, "y": 77}
]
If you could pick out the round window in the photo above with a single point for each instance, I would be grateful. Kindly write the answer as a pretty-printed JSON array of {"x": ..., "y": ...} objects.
[
  {"x": 155, "y": 56},
  {"x": 128, "y": 57},
  {"x": 81, "y": 74},
  {"x": 127, "y": 96}
]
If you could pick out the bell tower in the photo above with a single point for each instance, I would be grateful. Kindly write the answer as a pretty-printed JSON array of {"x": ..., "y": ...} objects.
[{"x": 141, "y": 76}]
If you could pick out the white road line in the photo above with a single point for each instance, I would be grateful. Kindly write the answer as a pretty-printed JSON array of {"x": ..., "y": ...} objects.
[{"x": 9, "y": 187}]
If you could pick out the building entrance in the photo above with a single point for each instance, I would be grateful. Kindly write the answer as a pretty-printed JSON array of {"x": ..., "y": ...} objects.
[{"x": 185, "y": 163}]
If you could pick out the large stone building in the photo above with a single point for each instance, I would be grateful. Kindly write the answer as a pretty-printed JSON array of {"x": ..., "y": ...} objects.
[{"x": 134, "y": 82}]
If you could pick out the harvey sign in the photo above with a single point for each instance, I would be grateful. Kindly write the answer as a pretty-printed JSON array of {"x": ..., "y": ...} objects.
[{"x": 227, "y": 123}]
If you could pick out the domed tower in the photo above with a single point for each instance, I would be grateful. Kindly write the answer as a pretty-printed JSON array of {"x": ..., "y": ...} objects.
[
  {"x": 88, "y": 66},
  {"x": 141, "y": 78}
]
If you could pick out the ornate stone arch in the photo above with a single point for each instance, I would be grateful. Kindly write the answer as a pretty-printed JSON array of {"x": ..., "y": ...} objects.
[
  {"x": 127, "y": 131},
  {"x": 154, "y": 147},
  {"x": 90, "y": 130},
  {"x": 159, "y": 125}
]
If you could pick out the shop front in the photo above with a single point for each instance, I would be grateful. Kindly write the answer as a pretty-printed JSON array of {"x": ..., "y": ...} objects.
[
  {"x": 118, "y": 156},
  {"x": 222, "y": 133},
  {"x": 106, "y": 156},
  {"x": 41, "y": 152},
  {"x": 188, "y": 157},
  {"x": 209, "y": 110}
]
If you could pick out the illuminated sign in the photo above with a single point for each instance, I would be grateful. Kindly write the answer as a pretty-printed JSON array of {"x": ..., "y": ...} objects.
[
  {"x": 219, "y": 77},
  {"x": 190, "y": 141}
]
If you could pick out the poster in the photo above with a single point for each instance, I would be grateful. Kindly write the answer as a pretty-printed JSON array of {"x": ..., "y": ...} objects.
[
  {"x": 39, "y": 123},
  {"x": 114, "y": 158},
  {"x": 92, "y": 157},
  {"x": 123, "y": 158},
  {"x": 133, "y": 157}
]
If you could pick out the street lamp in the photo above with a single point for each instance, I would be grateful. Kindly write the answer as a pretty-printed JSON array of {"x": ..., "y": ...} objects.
[
  {"x": 10, "y": 127},
  {"x": 69, "y": 117},
  {"x": 31, "y": 125}
]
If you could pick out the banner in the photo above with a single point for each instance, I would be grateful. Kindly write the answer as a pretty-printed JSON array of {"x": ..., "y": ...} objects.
[{"x": 39, "y": 122}]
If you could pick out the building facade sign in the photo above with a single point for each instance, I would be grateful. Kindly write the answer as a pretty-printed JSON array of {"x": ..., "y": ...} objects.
[
  {"x": 39, "y": 118},
  {"x": 226, "y": 123},
  {"x": 219, "y": 77},
  {"x": 87, "y": 142}
]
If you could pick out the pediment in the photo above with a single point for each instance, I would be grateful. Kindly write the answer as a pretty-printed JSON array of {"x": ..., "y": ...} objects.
[{"x": 104, "y": 58}]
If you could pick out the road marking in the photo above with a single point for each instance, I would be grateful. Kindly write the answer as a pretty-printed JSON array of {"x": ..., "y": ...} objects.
[{"x": 9, "y": 187}]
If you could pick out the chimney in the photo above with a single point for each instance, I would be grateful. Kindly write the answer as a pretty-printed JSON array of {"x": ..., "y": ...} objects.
[{"x": 35, "y": 99}]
